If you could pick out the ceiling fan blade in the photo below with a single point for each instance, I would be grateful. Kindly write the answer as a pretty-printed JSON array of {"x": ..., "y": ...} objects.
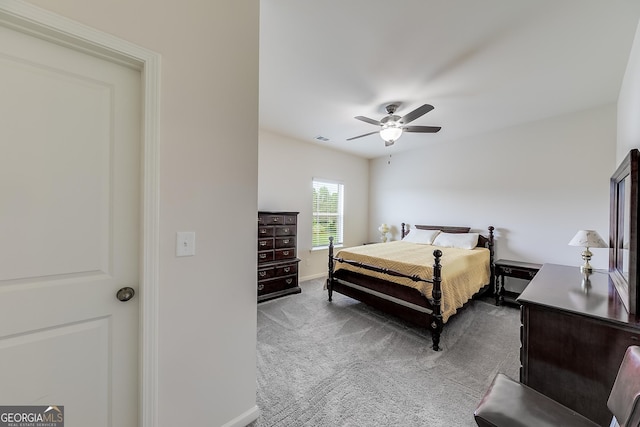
[
  {"x": 409, "y": 117},
  {"x": 421, "y": 129},
  {"x": 368, "y": 120},
  {"x": 360, "y": 136}
]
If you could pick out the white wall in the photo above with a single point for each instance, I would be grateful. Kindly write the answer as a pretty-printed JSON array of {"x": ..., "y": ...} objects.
[
  {"x": 208, "y": 175},
  {"x": 285, "y": 172},
  {"x": 629, "y": 104},
  {"x": 537, "y": 183}
]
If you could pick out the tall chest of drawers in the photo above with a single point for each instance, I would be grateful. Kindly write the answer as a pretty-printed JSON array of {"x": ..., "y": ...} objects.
[{"x": 277, "y": 255}]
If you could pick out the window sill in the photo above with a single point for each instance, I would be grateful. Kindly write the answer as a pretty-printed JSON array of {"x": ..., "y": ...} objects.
[{"x": 324, "y": 248}]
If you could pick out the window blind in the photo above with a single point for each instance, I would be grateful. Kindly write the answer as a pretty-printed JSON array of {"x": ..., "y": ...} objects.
[{"x": 327, "y": 212}]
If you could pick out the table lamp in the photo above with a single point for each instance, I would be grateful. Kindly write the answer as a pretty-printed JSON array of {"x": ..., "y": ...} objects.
[
  {"x": 383, "y": 229},
  {"x": 587, "y": 239}
]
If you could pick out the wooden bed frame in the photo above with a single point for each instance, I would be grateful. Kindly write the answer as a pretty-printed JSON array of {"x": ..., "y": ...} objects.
[{"x": 402, "y": 301}]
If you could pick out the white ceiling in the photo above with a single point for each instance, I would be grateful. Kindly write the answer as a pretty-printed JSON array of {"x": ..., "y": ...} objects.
[{"x": 483, "y": 64}]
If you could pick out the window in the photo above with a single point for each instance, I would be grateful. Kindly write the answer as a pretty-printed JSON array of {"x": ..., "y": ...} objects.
[{"x": 327, "y": 213}]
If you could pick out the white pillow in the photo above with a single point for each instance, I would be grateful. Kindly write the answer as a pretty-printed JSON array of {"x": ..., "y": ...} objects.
[
  {"x": 424, "y": 237},
  {"x": 457, "y": 240}
]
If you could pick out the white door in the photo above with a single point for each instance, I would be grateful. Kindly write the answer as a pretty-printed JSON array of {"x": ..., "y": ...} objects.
[{"x": 69, "y": 231}]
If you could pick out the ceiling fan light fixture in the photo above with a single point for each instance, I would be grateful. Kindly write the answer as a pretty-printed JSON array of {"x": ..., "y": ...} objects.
[
  {"x": 392, "y": 127},
  {"x": 391, "y": 133}
]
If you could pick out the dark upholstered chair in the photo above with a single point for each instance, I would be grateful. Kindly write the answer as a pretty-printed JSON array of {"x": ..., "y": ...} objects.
[{"x": 510, "y": 403}]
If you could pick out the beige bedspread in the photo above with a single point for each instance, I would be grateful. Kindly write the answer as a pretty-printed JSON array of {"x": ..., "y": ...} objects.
[{"x": 464, "y": 271}]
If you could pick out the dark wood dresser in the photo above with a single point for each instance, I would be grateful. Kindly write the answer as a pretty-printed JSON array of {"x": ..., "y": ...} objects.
[
  {"x": 574, "y": 334},
  {"x": 277, "y": 261}
]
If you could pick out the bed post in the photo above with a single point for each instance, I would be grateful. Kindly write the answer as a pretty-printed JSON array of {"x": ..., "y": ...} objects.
[
  {"x": 436, "y": 321},
  {"x": 403, "y": 232},
  {"x": 492, "y": 268},
  {"x": 330, "y": 278}
]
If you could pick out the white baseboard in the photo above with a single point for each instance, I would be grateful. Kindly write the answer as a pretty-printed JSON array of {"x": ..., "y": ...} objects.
[
  {"x": 244, "y": 419},
  {"x": 313, "y": 276}
]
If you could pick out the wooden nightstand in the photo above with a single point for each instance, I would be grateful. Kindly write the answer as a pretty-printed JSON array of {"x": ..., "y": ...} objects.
[{"x": 516, "y": 269}]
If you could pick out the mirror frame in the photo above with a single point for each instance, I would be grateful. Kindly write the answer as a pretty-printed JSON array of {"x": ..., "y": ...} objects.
[{"x": 626, "y": 285}]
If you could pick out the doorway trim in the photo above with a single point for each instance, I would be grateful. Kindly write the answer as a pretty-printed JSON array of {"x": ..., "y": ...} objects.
[{"x": 25, "y": 17}]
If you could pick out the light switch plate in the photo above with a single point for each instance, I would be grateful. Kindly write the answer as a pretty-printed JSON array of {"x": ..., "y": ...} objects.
[{"x": 185, "y": 243}]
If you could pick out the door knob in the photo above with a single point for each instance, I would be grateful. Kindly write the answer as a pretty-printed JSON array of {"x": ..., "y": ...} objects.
[{"x": 125, "y": 294}]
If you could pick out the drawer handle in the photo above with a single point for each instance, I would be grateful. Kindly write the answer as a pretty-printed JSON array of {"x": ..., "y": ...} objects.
[
  {"x": 263, "y": 231},
  {"x": 286, "y": 231},
  {"x": 276, "y": 219},
  {"x": 289, "y": 281},
  {"x": 285, "y": 253},
  {"x": 262, "y": 256},
  {"x": 260, "y": 287},
  {"x": 263, "y": 243},
  {"x": 262, "y": 273},
  {"x": 287, "y": 269},
  {"x": 285, "y": 241}
]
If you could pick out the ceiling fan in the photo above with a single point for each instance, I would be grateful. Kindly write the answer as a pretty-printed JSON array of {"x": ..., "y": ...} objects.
[{"x": 392, "y": 126}]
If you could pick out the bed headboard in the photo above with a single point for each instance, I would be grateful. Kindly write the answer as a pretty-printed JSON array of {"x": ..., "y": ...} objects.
[{"x": 483, "y": 241}]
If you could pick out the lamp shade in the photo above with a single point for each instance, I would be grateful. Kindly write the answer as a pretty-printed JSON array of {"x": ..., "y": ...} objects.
[
  {"x": 384, "y": 228},
  {"x": 588, "y": 239}
]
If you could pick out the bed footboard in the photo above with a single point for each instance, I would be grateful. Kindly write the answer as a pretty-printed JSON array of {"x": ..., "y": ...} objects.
[{"x": 433, "y": 313}]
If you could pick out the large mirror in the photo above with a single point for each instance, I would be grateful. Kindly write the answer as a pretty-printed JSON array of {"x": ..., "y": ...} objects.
[{"x": 623, "y": 234}]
